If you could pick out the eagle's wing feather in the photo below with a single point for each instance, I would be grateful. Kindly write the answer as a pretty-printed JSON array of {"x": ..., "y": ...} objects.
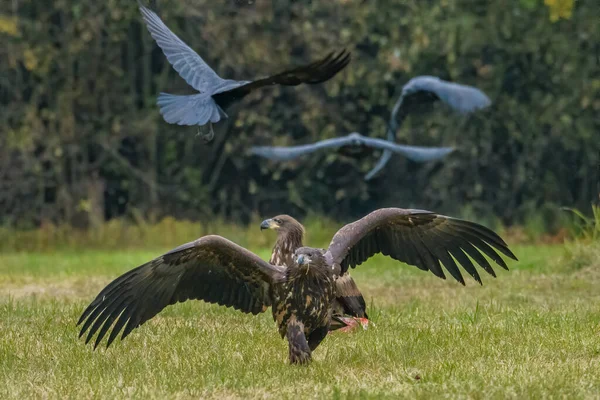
[
  {"x": 420, "y": 238},
  {"x": 211, "y": 268}
]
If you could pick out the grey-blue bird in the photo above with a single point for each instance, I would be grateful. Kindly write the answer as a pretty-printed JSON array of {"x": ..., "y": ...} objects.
[
  {"x": 216, "y": 93},
  {"x": 463, "y": 99},
  {"x": 414, "y": 153}
]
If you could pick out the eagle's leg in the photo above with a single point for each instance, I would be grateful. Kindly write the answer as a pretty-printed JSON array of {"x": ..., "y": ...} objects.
[
  {"x": 316, "y": 337},
  {"x": 300, "y": 352}
]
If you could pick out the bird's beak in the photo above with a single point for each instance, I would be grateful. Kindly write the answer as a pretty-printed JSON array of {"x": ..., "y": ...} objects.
[
  {"x": 268, "y": 224},
  {"x": 300, "y": 259}
]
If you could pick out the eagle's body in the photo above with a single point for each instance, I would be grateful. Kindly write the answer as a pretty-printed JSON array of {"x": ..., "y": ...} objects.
[
  {"x": 349, "y": 300},
  {"x": 303, "y": 294},
  {"x": 303, "y": 306},
  {"x": 305, "y": 291}
]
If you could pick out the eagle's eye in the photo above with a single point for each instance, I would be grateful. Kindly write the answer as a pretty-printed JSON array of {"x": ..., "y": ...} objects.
[{"x": 278, "y": 220}]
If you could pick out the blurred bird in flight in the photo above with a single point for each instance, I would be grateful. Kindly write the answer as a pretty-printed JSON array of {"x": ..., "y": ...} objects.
[
  {"x": 463, "y": 99},
  {"x": 354, "y": 139},
  {"x": 216, "y": 93}
]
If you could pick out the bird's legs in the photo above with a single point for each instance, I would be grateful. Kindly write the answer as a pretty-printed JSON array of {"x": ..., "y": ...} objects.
[
  {"x": 207, "y": 134},
  {"x": 300, "y": 352},
  {"x": 316, "y": 337}
]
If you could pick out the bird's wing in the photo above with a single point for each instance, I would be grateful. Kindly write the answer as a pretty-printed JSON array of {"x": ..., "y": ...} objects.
[
  {"x": 383, "y": 160},
  {"x": 190, "y": 66},
  {"x": 316, "y": 72},
  {"x": 211, "y": 268},
  {"x": 420, "y": 238},
  {"x": 392, "y": 128},
  {"x": 414, "y": 153},
  {"x": 285, "y": 153},
  {"x": 461, "y": 98}
]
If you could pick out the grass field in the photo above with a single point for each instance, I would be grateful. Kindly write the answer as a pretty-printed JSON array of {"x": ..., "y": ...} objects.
[{"x": 530, "y": 333}]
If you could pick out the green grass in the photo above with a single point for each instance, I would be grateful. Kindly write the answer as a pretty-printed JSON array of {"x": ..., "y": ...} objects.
[{"x": 530, "y": 333}]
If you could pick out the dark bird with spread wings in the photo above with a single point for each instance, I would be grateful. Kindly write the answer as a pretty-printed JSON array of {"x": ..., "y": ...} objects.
[
  {"x": 216, "y": 93},
  {"x": 414, "y": 153},
  {"x": 349, "y": 300},
  {"x": 463, "y": 99},
  {"x": 302, "y": 295}
]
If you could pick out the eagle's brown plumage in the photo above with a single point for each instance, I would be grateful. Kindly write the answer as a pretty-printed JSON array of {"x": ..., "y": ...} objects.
[
  {"x": 290, "y": 236},
  {"x": 303, "y": 294},
  {"x": 420, "y": 238},
  {"x": 211, "y": 268}
]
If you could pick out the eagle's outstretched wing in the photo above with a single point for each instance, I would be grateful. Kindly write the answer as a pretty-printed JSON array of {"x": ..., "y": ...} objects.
[
  {"x": 463, "y": 99},
  {"x": 316, "y": 72},
  {"x": 420, "y": 238},
  {"x": 211, "y": 268},
  {"x": 190, "y": 66}
]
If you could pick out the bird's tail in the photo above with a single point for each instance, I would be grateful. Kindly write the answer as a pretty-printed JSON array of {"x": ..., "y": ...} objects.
[
  {"x": 350, "y": 298},
  {"x": 196, "y": 109},
  {"x": 299, "y": 351}
]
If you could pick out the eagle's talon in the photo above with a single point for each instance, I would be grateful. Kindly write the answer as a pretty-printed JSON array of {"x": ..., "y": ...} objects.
[{"x": 364, "y": 323}]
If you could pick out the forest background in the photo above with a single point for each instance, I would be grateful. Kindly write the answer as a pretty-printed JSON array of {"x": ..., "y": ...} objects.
[{"x": 82, "y": 141}]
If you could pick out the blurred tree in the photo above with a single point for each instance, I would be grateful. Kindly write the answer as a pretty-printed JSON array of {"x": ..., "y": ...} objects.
[{"x": 560, "y": 9}]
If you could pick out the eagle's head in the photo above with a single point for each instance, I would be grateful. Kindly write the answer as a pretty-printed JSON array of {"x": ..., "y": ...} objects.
[
  {"x": 309, "y": 258},
  {"x": 282, "y": 223}
]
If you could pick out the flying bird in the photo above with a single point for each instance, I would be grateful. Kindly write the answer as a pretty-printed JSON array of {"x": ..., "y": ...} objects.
[
  {"x": 463, "y": 99},
  {"x": 216, "y": 93},
  {"x": 349, "y": 300},
  {"x": 302, "y": 295},
  {"x": 414, "y": 153}
]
